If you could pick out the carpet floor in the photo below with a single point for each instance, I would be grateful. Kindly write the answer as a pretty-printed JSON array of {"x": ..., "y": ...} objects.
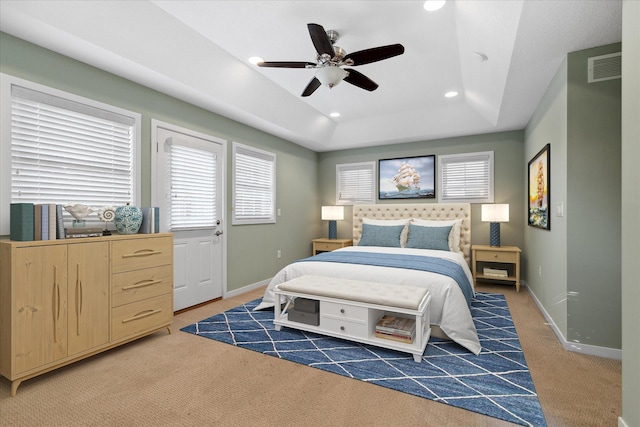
[{"x": 496, "y": 383}]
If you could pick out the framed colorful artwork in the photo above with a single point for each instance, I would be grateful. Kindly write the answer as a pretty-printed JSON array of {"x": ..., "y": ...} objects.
[
  {"x": 407, "y": 178},
  {"x": 539, "y": 185}
]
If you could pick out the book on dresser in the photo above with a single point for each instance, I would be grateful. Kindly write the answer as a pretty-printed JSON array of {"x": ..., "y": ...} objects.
[
  {"x": 21, "y": 219},
  {"x": 75, "y": 232},
  {"x": 396, "y": 328},
  {"x": 150, "y": 221},
  {"x": 29, "y": 221}
]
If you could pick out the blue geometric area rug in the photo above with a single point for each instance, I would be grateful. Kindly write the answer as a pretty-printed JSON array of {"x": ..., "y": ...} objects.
[{"x": 496, "y": 382}]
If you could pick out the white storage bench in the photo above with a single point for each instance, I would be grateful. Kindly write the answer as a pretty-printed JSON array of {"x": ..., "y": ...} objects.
[{"x": 350, "y": 309}]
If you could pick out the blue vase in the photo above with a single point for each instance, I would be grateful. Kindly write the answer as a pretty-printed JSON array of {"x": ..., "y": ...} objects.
[{"x": 128, "y": 219}]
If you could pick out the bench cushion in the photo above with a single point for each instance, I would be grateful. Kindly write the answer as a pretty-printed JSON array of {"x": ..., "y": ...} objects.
[{"x": 398, "y": 296}]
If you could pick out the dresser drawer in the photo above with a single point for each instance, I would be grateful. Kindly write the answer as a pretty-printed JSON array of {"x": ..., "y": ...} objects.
[
  {"x": 343, "y": 311},
  {"x": 135, "y": 318},
  {"x": 496, "y": 256},
  {"x": 141, "y": 284},
  {"x": 346, "y": 327},
  {"x": 136, "y": 254}
]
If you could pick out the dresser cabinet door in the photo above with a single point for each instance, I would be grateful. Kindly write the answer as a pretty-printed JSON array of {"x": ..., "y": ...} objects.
[
  {"x": 40, "y": 307},
  {"x": 88, "y": 290}
]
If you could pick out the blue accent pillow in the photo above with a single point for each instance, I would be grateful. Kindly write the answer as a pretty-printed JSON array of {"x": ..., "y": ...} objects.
[
  {"x": 429, "y": 237},
  {"x": 381, "y": 235}
]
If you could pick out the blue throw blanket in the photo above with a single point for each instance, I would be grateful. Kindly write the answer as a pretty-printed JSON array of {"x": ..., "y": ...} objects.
[{"x": 411, "y": 262}]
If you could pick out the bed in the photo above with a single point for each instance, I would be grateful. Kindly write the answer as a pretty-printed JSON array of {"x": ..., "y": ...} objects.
[{"x": 424, "y": 245}]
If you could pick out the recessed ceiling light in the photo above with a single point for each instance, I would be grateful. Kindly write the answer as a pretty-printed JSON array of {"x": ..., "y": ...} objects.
[
  {"x": 451, "y": 94},
  {"x": 335, "y": 114},
  {"x": 255, "y": 59},
  {"x": 433, "y": 5}
]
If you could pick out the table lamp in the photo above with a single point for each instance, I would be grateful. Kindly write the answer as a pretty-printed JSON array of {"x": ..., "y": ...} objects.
[
  {"x": 332, "y": 214},
  {"x": 495, "y": 214}
]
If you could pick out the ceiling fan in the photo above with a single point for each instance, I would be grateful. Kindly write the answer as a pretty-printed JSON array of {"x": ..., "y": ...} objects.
[{"x": 331, "y": 60}]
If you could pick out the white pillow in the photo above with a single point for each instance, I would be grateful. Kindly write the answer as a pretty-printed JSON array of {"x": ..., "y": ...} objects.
[
  {"x": 391, "y": 222},
  {"x": 454, "y": 234}
]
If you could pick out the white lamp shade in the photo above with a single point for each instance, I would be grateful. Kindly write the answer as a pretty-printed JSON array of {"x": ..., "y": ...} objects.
[
  {"x": 330, "y": 76},
  {"x": 495, "y": 213},
  {"x": 332, "y": 213}
]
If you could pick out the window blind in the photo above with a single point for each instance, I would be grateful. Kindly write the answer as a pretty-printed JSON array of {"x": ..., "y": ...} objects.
[
  {"x": 193, "y": 188},
  {"x": 466, "y": 177},
  {"x": 355, "y": 183},
  {"x": 254, "y": 185},
  {"x": 63, "y": 151}
]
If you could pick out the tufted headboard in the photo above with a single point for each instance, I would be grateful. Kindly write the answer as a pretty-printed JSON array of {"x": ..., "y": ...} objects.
[{"x": 432, "y": 211}]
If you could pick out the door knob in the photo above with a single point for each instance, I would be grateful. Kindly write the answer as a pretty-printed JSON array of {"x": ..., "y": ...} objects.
[{"x": 218, "y": 232}]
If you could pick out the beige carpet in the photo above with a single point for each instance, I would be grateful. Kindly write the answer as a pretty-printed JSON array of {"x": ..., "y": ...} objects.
[{"x": 182, "y": 379}]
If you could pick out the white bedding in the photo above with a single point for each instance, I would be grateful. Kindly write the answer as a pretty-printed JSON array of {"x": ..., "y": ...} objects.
[{"x": 449, "y": 308}]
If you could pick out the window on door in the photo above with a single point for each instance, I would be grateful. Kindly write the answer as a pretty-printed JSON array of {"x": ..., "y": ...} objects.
[{"x": 192, "y": 202}]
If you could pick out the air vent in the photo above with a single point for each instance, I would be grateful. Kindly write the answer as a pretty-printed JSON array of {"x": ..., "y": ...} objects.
[{"x": 605, "y": 67}]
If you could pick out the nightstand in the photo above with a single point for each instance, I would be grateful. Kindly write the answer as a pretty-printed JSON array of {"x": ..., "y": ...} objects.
[
  {"x": 497, "y": 258},
  {"x": 327, "y": 245}
]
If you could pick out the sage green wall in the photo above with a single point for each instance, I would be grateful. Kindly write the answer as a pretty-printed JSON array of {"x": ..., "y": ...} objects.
[
  {"x": 594, "y": 203},
  {"x": 630, "y": 209},
  {"x": 580, "y": 283},
  {"x": 508, "y": 154},
  {"x": 251, "y": 249},
  {"x": 546, "y": 271}
]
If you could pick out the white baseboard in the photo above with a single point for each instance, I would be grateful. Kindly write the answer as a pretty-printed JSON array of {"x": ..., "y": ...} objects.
[
  {"x": 593, "y": 350},
  {"x": 245, "y": 289}
]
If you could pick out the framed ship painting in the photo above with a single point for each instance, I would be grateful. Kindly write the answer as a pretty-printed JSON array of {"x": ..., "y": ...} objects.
[
  {"x": 407, "y": 178},
  {"x": 539, "y": 183}
]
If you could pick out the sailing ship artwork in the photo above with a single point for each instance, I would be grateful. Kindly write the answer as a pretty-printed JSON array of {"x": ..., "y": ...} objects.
[
  {"x": 407, "y": 178},
  {"x": 539, "y": 190}
]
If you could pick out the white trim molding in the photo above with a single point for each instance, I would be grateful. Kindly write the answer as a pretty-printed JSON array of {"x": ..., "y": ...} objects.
[
  {"x": 592, "y": 350},
  {"x": 244, "y": 289}
]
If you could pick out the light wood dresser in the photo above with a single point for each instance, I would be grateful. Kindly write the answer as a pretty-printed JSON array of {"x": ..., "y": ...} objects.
[{"x": 65, "y": 300}]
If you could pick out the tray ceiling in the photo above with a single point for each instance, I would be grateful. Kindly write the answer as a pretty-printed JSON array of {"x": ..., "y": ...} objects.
[{"x": 198, "y": 51}]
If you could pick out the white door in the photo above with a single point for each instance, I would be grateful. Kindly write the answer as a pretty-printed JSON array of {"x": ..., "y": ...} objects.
[{"x": 188, "y": 186}]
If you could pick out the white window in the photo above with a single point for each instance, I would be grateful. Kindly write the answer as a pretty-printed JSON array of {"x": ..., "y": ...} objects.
[
  {"x": 355, "y": 183},
  {"x": 65, "y": 149},
  {"x": 192, "y": 169},
  {"x": 254, "y": 185},
  {"x": 466, "y": 177}
]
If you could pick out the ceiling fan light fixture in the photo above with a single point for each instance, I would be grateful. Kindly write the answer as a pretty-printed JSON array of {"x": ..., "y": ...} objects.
[
  {"x": 335, "y": 114},
  {"x": 331, "y": 59},
  {"x": 451, "y": 94},
  {"x": 331, "y": 76},
  {"x": 255, "y": 60}
]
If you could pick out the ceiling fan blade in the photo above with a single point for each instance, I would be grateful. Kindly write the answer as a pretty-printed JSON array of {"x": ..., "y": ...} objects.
[
  {"x": 311, "y": 87},
  {"x": 285, "y": 64},
  {"x": 358, "y": 79},
  {"x": 374, "y": 54},
  {"x": 320, "y": 40}
]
